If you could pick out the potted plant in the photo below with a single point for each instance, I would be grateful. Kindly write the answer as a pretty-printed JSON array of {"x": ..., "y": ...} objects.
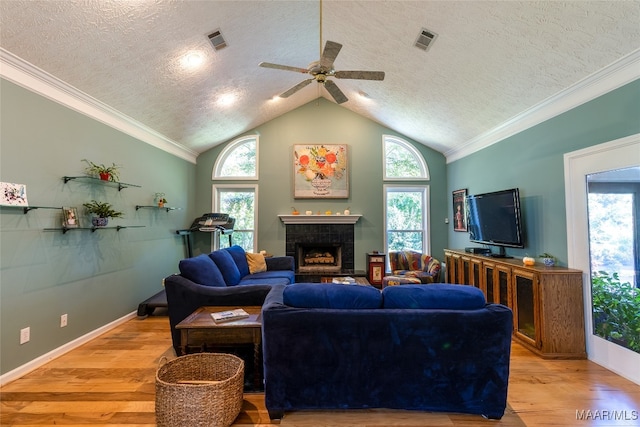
[
  {"x": 105, "y": 173},
  {"x": 160, "y": 200},
  {"x": 548, "y": 259},
  {"x": 102, "y": 211}
]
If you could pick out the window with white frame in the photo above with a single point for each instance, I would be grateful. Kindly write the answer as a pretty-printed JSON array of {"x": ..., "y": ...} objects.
[
  {"x": 401, "y": 160},
  {"x": 406, "y": 207},
  {"x": 406, "y": 218},
  {"x": 239, "y": 160},
  {"x": 240, "y": 201}
]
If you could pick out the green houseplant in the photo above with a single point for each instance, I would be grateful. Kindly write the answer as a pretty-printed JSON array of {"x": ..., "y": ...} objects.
[
  {"x": 105, "y": 173},
  {"x": 102, "y": 211},
  {"x": 616, "y": 310}
]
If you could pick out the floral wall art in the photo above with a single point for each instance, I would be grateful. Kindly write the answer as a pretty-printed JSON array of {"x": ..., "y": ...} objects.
[
  {"x": 320, "y": 171},
  {"x": 13, "y": 194}
]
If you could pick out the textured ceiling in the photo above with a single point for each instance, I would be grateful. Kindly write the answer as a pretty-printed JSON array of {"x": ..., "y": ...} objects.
[{"x": 490, "y": 61}]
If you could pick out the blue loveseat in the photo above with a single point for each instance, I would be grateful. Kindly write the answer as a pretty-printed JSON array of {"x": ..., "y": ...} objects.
[
  {"x": 437, "y": 347},
  {"x": 222, "y": 278}
]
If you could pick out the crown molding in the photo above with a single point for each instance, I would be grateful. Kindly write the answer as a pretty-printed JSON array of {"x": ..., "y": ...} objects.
[
  {"x": 619, "y": 73},
  {"x": 22, "y": 73}
]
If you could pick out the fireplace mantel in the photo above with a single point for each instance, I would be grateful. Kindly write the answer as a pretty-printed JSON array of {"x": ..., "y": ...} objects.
[{"x": 319, "y": 219}]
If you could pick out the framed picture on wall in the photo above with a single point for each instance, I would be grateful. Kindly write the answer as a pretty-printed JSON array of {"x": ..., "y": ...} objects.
[
  {"x": 320, "y": 171},
  {"x": 460, "y": 210},
  {"x": 13, "y": 194},
  {"x": 70, "y": 218}
]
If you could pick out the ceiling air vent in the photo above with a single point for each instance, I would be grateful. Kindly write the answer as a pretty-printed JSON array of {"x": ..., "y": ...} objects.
[
  {"x": 217, "y": 40},
  {"x": 425, "y": 39}
]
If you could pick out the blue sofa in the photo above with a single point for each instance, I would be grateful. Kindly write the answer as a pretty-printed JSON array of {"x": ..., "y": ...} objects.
[
  {"x": 436, "y": 347},
  {"x": 221, "y": 278}
]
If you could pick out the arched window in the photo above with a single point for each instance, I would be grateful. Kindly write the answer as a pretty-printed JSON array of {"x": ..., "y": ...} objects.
[
  {"x": 239, "y": 160},
  {"x": 401, "y": 161}
]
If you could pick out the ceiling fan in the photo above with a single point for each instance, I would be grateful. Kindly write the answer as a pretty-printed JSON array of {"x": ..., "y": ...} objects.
[{"x": 322, "y": 69}]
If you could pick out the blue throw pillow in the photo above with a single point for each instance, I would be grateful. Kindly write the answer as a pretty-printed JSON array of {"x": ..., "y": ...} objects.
[
  {"x": 227, "y": 266},
  {"x": 438, "y": 296},
  {"x": 240, "y": 257},
  {"x": 201, "y": 270},
  {"x": 330, "y": 295}
]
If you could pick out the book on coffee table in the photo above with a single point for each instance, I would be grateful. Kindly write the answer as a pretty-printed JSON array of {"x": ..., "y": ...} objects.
[{"x": 229, "y": 315}]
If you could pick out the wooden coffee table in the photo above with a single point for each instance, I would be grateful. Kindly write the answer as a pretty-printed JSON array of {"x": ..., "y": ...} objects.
[
  {"x": 359, "y": 280},
  {"x": 199, "y": 331}
]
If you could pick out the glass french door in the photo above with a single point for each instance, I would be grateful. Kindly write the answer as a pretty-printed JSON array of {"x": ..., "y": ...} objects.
[{"x": 602, "y": 200}]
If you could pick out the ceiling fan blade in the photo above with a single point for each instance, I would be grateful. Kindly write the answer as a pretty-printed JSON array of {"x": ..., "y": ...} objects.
[
  {"x": 361, "y": 75},
  {"x": 295, "y": 88},
  {"x": 335, "y": 91},
  {"x": 331, "y": 51},
  {"x": 284, "y": 67}
]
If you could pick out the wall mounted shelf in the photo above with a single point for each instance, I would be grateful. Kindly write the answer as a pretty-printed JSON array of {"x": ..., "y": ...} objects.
[
  {"x": 93, "y": 229},
  {"x": 166, "y": 208},
  {"x": 26, "y": 209},
  {"x": 98, "y": 181}
]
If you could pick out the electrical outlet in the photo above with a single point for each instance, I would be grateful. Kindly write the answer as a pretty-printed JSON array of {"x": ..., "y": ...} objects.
[
  {"x": 25, "y": 335},
  {"x": 63, "y": 320}
]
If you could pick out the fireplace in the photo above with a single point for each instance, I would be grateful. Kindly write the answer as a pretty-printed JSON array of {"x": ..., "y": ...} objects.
[
  {"x": 333, "y": 238},
  {"x": 322, "y": 245},
  {"x": 313, "y": 258}
]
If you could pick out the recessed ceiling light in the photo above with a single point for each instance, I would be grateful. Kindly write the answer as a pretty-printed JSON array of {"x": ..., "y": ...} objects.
[
  {"x": 227, "y": 99},
  {"x": 192, "y": 60}
]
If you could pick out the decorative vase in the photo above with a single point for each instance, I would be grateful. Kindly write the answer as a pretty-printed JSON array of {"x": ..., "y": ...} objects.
[
  {"x": 320, "y": 186},
  {"x": 99, "y": 222},
  {"x": 549, "y": 262},
  {"x": 105, "y": 176}
]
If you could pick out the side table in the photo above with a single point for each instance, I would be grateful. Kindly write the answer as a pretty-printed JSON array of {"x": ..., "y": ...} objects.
[{"x": 199, "y": 330}]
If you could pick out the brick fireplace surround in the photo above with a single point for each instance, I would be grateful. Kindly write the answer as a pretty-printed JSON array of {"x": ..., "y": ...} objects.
[{"x": 322, "y": 230}]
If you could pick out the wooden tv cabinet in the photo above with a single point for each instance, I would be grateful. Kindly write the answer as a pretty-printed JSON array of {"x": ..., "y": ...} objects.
[{"x": 547, "y": 302}]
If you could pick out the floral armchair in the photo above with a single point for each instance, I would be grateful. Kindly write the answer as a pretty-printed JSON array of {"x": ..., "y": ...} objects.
[{"x": 412, "y": 264}]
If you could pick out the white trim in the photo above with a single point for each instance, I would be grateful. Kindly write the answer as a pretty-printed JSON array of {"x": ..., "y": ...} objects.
[
  {"x": 617, "y": 154},
  {"x": 55, "y": 353},
  {"x": 621, "y": 72},
  {"x": 319, "y": 219},
  {"x": 22, "y": 73}
]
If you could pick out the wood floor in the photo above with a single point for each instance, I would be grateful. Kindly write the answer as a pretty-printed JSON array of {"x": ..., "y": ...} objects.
[{"x": 111, "y": 380}]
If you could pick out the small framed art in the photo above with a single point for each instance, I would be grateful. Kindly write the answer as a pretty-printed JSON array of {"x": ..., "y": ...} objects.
[
  {"x": 70, "y": 218},
  {"x": 460, "y": 210},
  {"x": 13, "y": 194}
]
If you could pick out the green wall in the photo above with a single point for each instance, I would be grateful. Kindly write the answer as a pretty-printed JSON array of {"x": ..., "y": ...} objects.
[
  {"x": 95, "y": 278},
  {"x": 324, "y": 122},
  {"x": 533, "y": 161}
]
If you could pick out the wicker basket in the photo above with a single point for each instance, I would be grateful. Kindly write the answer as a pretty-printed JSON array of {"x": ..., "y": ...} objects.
[{"x": 203, "y": 389}]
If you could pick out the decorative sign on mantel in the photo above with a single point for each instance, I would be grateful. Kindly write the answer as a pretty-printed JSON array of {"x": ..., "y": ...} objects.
[{"x": 319, "y": 219}]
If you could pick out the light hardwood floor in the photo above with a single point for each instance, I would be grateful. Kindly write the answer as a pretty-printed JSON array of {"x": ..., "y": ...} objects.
[{"x": 111, "y": 380}]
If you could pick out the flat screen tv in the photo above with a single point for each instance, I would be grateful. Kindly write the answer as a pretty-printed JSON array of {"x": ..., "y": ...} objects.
[{"x": 495, "y": 219}]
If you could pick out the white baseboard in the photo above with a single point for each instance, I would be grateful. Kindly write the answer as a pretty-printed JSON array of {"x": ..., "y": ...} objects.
[{"x": 53, "y": 354}]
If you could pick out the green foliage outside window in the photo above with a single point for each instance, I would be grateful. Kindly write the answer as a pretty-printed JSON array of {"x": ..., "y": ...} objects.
[
  {"x": 400, "y": 162},
  {"x": 404, "y": 221},
  {"x": 239, "y": 205},
  {"x": 616, "y": 310},
  {"x": 241, "y": 161}
]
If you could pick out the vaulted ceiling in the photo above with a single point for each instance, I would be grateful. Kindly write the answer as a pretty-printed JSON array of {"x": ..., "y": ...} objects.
[{"x": 490, "y": 61}]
